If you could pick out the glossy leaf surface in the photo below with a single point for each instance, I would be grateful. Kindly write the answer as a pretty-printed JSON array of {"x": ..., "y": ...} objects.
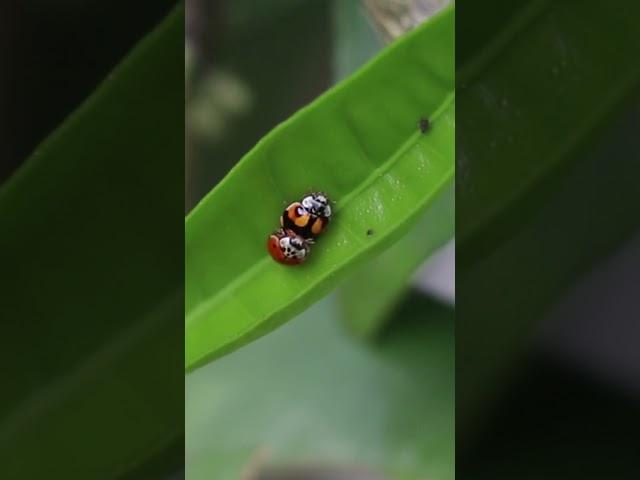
[
  {"x": 370, "y": 294},
  {"x": 359, "y": 143}
]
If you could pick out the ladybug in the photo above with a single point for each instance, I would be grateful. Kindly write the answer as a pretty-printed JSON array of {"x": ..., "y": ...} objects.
[
  {"x": 309, "y": 217},
  {"x": 285, "y": 246}
]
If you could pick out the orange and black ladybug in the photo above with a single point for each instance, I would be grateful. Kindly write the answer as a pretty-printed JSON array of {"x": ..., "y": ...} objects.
[
  {"x": 285, "y": 246},
  {"x": 309, "y": 217}
]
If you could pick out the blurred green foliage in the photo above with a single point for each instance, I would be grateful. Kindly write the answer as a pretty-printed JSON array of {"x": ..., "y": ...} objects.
[
  {"x": 541, "y": 196},
  {"x": 85, "y": 324},
  {"x": 307, "y": 394}
]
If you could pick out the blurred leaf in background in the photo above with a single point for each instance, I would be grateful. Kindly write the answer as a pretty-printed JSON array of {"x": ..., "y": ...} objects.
[
  {"x": 307, "y": 395},
  {"x": 92, "y": 298},
  {"x": 547, "y": 167},
  {"x": 539, "y": 198}
]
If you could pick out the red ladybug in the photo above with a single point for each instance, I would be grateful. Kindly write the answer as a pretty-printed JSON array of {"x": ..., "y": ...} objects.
[{"x": 285, "y": 246}]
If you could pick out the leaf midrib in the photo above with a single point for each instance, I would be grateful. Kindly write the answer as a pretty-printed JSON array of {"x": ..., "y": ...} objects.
[{"x": 370, "y": 180}]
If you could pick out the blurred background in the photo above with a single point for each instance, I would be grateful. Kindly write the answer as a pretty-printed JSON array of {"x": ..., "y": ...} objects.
[
  {"x": 310, "y": 401},
  {"x": 547, "y": 310},
  {"x": 70, "y": 236},
  {"x": 570, "y": 407},
  {"x": 53, "y": 55}
]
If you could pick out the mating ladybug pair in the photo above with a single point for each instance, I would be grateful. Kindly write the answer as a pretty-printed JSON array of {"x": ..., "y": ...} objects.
[{"x": 300, "y": 224}]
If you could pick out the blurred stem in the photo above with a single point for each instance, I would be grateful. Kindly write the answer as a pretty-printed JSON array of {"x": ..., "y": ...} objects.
[
  {"x": 203, "y": 26},
  {"x": 202, "y": 32}
]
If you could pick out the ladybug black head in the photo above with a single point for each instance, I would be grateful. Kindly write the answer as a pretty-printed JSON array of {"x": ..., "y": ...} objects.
[{"x": 317, "y": 204}]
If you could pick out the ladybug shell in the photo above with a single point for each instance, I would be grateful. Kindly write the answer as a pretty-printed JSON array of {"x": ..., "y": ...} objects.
[
  {"x": 276, "y": 251},
  {"x": 301, "y": 221}
]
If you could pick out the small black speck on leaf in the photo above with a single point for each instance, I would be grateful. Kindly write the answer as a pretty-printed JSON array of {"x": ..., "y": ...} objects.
[
  {"x": 370, "y": 232},
  {"x": 424, "y": 124}
]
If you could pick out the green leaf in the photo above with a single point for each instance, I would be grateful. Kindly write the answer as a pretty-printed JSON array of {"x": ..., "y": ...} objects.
[
  {"x": 84, "y": 322},
  {"x": 369, "y": 295},
  {"x": 308, "y": 395},
  {"x": 360, "y": 143},
  {"x": 540, "y": 197}
]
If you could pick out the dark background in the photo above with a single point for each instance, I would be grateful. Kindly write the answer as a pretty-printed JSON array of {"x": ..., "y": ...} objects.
[
  {"x": 53, "y": 55},
  {"x": 567, "y": 401}
]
